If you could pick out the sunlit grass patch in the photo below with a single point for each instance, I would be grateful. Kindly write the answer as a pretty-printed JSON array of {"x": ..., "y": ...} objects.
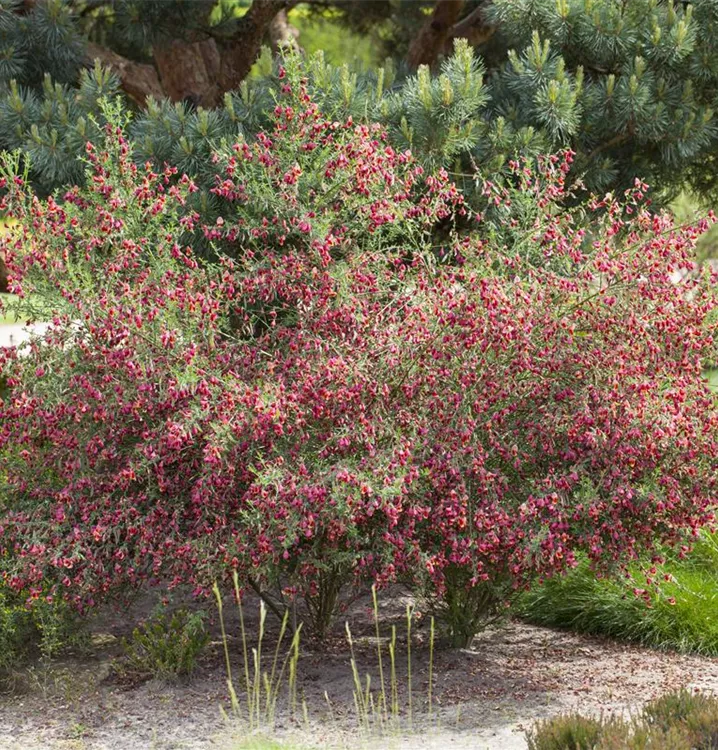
[{"x": 681, "y": 614}]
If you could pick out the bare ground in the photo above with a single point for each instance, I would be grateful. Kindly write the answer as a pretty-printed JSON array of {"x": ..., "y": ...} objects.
[{"x": 484, "y": 697}]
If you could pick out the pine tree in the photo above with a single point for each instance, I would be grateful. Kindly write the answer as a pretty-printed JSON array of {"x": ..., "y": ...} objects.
[{"x": 630, "y": 85}]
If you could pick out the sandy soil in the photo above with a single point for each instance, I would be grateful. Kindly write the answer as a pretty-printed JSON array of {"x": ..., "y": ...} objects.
[{"x": 485, "y": 697}]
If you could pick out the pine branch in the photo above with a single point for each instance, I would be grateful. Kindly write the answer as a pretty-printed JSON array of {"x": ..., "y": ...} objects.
[{"x": 139, "y": 81}]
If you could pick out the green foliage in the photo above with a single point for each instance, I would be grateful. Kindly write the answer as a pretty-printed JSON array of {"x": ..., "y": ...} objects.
[
  {"x": 687, "y": 207},
  {"x": 6, "y": 316},
  {"x": 168, "y": 646},
  {"x": 680, "y": 613},
  {"x": 15, "y": 626},
  {"x": 322, "y": 31},
  {"x": 572, "y": 731},
  {"x": 45, "y": 627},
  {"x": 681, "y": 720},
  {"x": 629, "y": 86}
]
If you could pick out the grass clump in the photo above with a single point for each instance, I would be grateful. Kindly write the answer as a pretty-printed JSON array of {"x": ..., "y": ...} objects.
[
  {"x": 260, "y": 743},
  {"x": 681, "y": 720},
  {"x": 570, "y": 731},
  {"x": 680, "y": 613},
  {"x": 267, "y": 676}
]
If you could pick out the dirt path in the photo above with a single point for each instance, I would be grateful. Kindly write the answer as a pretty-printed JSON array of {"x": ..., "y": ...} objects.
[{"x": 484, "y": 697}]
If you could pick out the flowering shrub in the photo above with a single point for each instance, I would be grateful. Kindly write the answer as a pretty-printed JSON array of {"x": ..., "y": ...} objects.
[{"x": 356, "y": 392}]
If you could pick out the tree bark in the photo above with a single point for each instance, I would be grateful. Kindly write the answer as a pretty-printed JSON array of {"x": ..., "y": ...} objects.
[
  {"x": 431, "y": 39},
  {"x": 189, "y": 71},
  {"x": 3, "y": 275},
  {"x": 201, "y": 70},
  {"x": 239, "y": 53},
  {"x": 473, "y": 27},
  {"x": 139, "y": 81},
  {"x": 282, "y": 33}
]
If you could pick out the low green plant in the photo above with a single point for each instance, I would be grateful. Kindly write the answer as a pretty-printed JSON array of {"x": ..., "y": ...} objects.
[
  {"x": 168, "y": 646},
  {"x": 17, "y": 631},
  {"x": 680, "y": 720},
  {"x": 568, "y": 732},
  {"x": 44, "y": 627},
  {"x": 679, "y": 612}
]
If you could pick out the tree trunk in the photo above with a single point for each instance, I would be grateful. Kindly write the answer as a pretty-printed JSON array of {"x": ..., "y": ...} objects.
[
  {"x": 432, "y": 36},
  {"x": 239, "y": 53},
  {"x": 3, "y": 275},
  {"x": 473, "y": 28},
  {"x": 199, "y": 70},
  {"x": 282, "y": 33},
  {"x": 189, "y": 71},
  {"x": 139, "y": 81}
]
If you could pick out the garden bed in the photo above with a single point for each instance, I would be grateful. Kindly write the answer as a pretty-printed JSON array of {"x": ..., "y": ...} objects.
[{"x": 484, "y": 697}]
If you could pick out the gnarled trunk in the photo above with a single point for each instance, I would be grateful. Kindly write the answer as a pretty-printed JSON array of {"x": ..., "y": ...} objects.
[
  {"x": 3, "y": 275},
  {"x": 437, "y": 35},
  {"x": 202, "y": 68},
  {"x": 138, "y": 80},
  {"x": 189, "y": 71},
  {"x": 432, "y": 36},
  {"x": 282, "y": 33}
]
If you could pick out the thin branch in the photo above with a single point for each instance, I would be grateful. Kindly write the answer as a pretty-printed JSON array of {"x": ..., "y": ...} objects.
[
  {"x": 271, "y": 605},
  {"x": 617, "y": 140}
]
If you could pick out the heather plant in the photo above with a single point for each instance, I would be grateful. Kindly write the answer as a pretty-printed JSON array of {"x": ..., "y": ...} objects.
[
  {"x": 563, "y": 732},
  {"x": 352, "y": 392},
  {"x": 679, "y": 720}
]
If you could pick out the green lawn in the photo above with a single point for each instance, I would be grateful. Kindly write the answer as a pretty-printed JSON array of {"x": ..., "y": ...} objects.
[{"x": 713, "y": 379}]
